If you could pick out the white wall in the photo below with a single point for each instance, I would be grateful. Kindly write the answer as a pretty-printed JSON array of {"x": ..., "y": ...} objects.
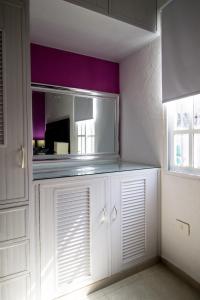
[
  {"x": 181, "y": 200},
  {"x": 141, "y": 108},
  {"x": 141, "y": 141}
]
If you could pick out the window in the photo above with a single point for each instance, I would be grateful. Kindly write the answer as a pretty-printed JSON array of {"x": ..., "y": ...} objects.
[
  {"x": 86, "y": 136},
  {"x": 183, "y": 118}
]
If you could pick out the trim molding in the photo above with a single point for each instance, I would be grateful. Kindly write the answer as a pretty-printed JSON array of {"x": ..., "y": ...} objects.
[{"x": 185, "y": 277}]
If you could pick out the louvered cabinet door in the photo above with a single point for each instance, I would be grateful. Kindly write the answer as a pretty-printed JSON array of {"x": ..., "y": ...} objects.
[
  {"x": 13, "y": 171},
  {"x": 133, "y": 219},
  {"x": 73, "y": 237}
]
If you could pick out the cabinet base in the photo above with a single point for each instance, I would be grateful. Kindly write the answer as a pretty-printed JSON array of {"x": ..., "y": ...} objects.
[{"x": 112, "y": 279}]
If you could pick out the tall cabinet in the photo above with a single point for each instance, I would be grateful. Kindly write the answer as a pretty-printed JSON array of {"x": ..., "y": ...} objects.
[{"x": 14, "y": 242}]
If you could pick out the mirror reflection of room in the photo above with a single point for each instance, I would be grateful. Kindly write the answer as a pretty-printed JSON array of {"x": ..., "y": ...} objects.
[{"x": 65, "y": 124}]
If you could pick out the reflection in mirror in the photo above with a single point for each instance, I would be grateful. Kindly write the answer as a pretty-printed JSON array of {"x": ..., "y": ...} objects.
[{"x": 65, "y": 124}]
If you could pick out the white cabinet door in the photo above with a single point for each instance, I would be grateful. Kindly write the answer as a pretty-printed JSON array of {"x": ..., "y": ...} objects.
[
  {"x": 134, "y": 236},
  {"x": 73, "y": 235},
  {"x": 101, "y": 6},
  {"x": 15, "y": 289},
  {"x": 13, "y": 171},
  {"x": 142, "y": 13}
]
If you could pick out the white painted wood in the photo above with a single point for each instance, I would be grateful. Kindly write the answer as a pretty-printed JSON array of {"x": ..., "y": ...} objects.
[
  {"x": 2, "y": 150},
  {"x": 142, "y": 13},
  {"x": 96, "y": 5},
  {"x": 14, "y": 184},
  {"x": 2, "y": 107},
  {"x": 13, "y": 223},
  {"x": 15, "y": 289},
  {"x": 14, "y": 243},
  {"x": 133, "y": 198},
  {"x": 134, "y": 235},
  {"x": 73, "y": 235},
  {"x": 13, "y": 259},
  {"x": 116, "y": 201}
]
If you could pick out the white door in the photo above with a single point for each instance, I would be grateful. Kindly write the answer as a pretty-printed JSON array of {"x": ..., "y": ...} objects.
[
  {"x": 74, "y": 235},
  {"x": 134, "y": 236},
  {"x": 13, "y": 183}
]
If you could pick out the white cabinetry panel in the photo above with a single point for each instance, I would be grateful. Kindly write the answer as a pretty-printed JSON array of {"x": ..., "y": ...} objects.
[
  {"x": 15, "y": 289},
  {"x": 2, "y": 100},
  {"x": 133, "y": 219},
  {"x": 13, "y": 259},
  {"x": 73, "y": 235},
  {"x": 91, "y": 228},
  {"x": 13, "y": 223},
  {"x": 134, "y": 232},
  {"x": 13, "y": 154}
]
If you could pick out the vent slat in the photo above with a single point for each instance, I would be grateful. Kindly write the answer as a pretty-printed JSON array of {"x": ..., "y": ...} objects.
[
  {"x": 73, "y": 235},
  {"x": 72, "y": 248},
  {"x": 2, "y": 126},
  {"x": 77, "y": 275},
  {"x": 74, "y": 214},
  {"x": 64, "y": 236},
  {"x": 133, "y": 219}
]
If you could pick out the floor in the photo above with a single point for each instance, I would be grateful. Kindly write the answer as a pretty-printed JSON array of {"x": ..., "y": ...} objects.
[{"x": 155, "y": 283}]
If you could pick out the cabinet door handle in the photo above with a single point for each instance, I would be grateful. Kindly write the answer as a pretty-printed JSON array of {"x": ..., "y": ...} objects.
[
  {"x": 103, "y": 215},
  {"x": 22, "y": 158},
  {"x": 114, "y": 213}
]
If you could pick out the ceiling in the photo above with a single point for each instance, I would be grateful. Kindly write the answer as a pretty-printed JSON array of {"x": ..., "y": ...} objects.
[{"x": 62, "y": 25}]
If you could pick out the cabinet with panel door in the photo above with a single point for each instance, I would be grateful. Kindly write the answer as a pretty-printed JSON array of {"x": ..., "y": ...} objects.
[
  {"x": 134, "y": 219},
  {"x": 13, "y": 106},
  {"x": 140, "y": 13},
  {"x": 14, "y": 237},
  {"x": 101, "y": 6},
  {"x": 73, "y": 235},
  {"x": 92, "y": 227}
]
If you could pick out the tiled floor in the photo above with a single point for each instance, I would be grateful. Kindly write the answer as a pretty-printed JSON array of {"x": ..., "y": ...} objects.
[{"x": 155, "y": 283}]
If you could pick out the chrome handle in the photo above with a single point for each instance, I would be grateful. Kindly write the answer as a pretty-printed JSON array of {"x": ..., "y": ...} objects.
[
  {"x": 22, "y": 153},
  {"x": 103, "y": 215},
  {"x": 114, "y": 217}
]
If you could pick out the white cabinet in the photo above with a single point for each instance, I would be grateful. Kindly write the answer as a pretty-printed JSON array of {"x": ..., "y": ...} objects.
[
  {"x": 142, "y": 13},
  {"x": 14, "y": 241},
  {"x": 73, "y": 235},
  {"x": 101, "y": 6},
  {"x": 92, "y": 227},
  {"x": 134, "y": 219},
  {"x": 13, "y": 133}
]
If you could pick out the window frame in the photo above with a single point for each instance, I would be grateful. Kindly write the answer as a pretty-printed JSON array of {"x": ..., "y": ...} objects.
[
  {"x": 85, "y": 136},
  {"x": 170, "y": 133}
]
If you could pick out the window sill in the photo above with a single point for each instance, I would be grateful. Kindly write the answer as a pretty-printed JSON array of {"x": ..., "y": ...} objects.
[{"x": 182, "y": 174}]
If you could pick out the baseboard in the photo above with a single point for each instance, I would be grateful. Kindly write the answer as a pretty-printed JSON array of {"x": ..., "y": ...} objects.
[
  {"x": 112, "y": 279},
  {"x": 122, "y": 275},
  {"x": 184, "y": 276}
]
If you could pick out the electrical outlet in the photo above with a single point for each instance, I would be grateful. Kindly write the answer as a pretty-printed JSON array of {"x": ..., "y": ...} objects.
[{"x": 183, "y": 227}]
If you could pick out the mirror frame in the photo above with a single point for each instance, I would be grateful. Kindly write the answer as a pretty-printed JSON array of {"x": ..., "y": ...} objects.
[{"x": 83, "y": 93}]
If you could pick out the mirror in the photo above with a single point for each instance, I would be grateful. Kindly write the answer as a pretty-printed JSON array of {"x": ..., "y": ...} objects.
[{"x": 73, "y": 123}]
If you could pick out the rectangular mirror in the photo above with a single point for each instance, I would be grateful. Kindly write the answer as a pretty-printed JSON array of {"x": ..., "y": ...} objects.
[{"x": 69, "y": 122}]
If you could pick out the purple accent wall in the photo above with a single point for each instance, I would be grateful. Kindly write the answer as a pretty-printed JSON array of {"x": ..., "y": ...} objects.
[
  {"x": 58, "y": 67},
  {"x": 38, "y": 108}
]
